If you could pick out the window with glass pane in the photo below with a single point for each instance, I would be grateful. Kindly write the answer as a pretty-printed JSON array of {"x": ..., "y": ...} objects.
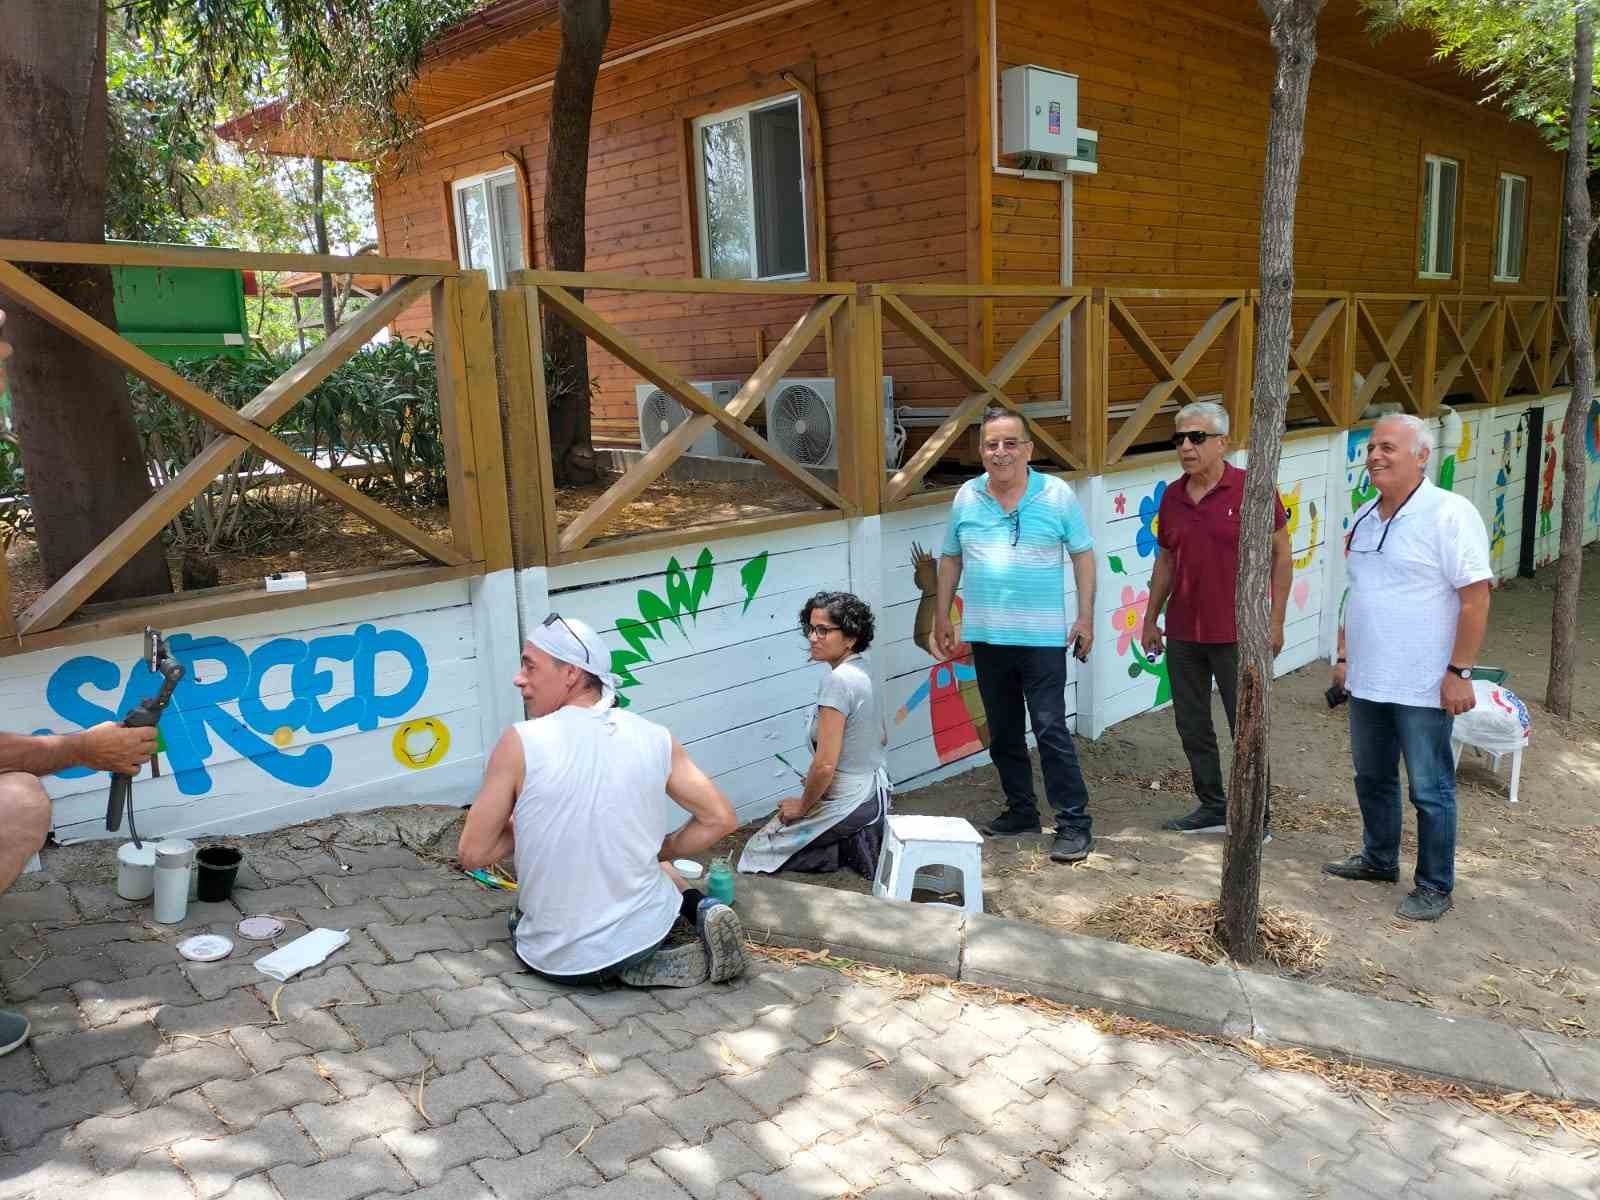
[
  {"x": 489, "y": 225},
  {"x": 752, "y": 192},
  {"x": 1439, "y": 180},
  {"x": 1510, "y": 229}
]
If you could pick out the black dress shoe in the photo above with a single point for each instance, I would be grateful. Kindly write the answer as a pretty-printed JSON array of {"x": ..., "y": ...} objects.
[
  {"x": 1356, "y": 867},
  {"x": 1010, "y": 822},
  {"x": 1071, "y": 846}
]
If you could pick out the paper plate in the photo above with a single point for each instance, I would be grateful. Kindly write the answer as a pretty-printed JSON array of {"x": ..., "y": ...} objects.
[
  {"x": 205, "y": 947},
  {"x": 260, "y": 929}
]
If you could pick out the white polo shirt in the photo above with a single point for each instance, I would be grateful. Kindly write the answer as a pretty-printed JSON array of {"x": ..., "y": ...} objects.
[{"x": 1400, "y": 621}]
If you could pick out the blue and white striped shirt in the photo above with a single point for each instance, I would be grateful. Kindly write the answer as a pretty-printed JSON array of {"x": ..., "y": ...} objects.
[{"x": 1015, "y": 595}]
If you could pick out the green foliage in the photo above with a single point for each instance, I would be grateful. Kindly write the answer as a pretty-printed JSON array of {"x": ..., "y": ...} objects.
[
  {"x": 376, "y": 417},
  {"x": 1522, "y": 48}
]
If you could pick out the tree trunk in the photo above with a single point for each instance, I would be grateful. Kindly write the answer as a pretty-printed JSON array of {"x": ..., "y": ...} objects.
[
  {"x": 584, "y": 26},
  {"x": 1294, "y": 39},
  {"x": 319, "y": 223},
  {"x": 1580, "y": 230},
  {"x": 80, "y": 447}
]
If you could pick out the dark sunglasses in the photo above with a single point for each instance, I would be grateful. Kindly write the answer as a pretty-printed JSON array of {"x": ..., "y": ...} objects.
[
  {"x": 1195, "y": 437},
  {"x": 553, "y": 618}
]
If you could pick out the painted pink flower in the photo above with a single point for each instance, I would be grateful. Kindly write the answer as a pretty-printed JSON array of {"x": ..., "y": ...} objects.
[{"x": 1129, "y": 619}]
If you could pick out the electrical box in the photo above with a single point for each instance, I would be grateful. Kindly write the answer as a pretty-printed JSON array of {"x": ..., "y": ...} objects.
[{"x": 1040, "y": 112}]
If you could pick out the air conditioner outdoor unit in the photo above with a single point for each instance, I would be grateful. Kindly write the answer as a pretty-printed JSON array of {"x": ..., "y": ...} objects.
[
  {"x": 660, "y": 414},
  {"x": 802, "y": 420}
]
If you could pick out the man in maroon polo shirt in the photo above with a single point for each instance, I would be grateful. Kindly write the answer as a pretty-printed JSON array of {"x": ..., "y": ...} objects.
[{"x": 1197, "y": 567}]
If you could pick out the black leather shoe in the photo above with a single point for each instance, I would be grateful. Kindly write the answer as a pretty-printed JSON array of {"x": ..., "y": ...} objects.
[
  {"x": 1010, "y": 822},
  {"x": 1356, "y": 867},
  {"x": 1071, "y": 846},
  {"x": 1424, "y": 904},
  {"x": 1201, "y": 820}
]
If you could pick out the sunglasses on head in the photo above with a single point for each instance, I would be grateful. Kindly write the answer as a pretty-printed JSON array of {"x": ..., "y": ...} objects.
[
  {"x": 1195, "y": 437},
  {"x": 553, "y": 618}
]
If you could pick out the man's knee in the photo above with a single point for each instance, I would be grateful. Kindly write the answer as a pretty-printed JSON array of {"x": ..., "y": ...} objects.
[{"x": 24, "y": 811}]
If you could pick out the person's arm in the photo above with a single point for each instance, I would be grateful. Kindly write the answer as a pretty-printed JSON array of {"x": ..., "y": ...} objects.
[
  {"x": 824, "y": 763},
  {"x": 104, "y": 747},
  {"x": 1160, "y": 590},
  {"x": 710, "y": 813},
  {"x": 488, "y": 835},
  {"x": 1341, "y": 670},
  {"x": 944, "y": 634},
  {"x": 1083, "y": 581},
  {"x": 1282, "y": 583},
  {"x": 1456, "y": 695}
]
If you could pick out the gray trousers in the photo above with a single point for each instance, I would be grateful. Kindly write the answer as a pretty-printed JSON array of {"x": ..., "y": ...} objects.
[{"x": 1191, "y": 666}]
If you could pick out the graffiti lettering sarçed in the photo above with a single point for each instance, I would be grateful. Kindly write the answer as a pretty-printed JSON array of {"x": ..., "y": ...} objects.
[{"x": 222, "y": 673}]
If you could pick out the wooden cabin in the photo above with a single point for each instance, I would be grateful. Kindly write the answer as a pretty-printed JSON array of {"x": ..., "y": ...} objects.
[{"x": 864, "y": 141}]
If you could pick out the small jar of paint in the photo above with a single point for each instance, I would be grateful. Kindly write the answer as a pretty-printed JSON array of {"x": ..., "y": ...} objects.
[{"x": 719, "y": 881}]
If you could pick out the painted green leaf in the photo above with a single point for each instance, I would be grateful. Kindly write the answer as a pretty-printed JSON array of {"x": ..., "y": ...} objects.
[
  {"x": 1133, "y": 670},
  {"x": 1115, "y": 563},
  {"x": 636, "y": 633},
  {"x": 701, "y": 587},
  {"x": 751, "y": 575}
]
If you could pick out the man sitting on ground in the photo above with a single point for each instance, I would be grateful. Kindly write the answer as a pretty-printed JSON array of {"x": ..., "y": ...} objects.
[{"x": 575, "y": 793}]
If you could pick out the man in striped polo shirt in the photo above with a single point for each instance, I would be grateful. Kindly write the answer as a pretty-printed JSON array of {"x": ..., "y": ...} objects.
[{"x": 1006, "y": 534}]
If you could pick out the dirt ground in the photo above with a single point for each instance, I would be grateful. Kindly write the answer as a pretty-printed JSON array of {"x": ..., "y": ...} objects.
[{"x": 1522, "y": 944}]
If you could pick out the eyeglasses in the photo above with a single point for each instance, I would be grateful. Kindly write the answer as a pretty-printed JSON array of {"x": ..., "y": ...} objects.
[
  {"x": 812, "y": 631},
  {"x": 1195, "y": 437},
  {"x": 553, "y": 618},
  {"x": 1015, "y": 517},
  {"x": 1350, "y": 537},
  {"x": 1009, "y": 445}
]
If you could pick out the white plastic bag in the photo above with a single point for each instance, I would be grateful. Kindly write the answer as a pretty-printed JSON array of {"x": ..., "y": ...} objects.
[{"x": 1499, "y": 723}]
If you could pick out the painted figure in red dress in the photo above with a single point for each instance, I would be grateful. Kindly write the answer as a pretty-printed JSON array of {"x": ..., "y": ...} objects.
[{"x": 955, "y": 710}]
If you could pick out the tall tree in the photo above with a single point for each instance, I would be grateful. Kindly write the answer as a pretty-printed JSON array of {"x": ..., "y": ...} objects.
[
  {"x": 80, "y": 447},
  {"x": 343, "y": 65},
  {"x": 1294, "y": 43},
  {"x": 1537, "y": 61},
  {"x": 584, "y": 27}
]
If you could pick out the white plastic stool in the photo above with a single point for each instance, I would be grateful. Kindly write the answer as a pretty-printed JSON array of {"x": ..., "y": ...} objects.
[
  {"x": 915, "y": 844},
  {"x": 1494, "y": 762}
]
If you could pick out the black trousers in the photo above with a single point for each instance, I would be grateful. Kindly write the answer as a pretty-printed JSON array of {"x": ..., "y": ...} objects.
[
  {"x": 1191, "y": 668},
  {"x": 1022, "y": 683}
]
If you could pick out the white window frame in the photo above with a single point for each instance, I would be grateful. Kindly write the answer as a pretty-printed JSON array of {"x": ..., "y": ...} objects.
[
  {"x": 702, "y": 210},
  {"x": 1503, "y": 229},
  {"x": 1430, "y": 220},
  {"x": 487, "y": 180}
]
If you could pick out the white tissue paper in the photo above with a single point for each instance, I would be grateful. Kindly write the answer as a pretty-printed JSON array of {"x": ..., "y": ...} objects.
[{"x": 303, "y": 952}]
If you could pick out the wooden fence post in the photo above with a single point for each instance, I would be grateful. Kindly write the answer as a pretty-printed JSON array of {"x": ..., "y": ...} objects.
[
  {"x": 1547, "y": 337},
  {"x": 1498, "y": 383},
  {"x": 1424, "y": 379},
  {"x": 488, "y": 460},
  {"x": 526, "y": 473},
  {"x": 1342, "y": 363},
  {"x": 858, "y": 407},
  {"x": 1086, "y": 431},
  {"x": 455, "y": 418},
  {"x": 541, "y": 428},
  {"x": 1238, "y": 369}
]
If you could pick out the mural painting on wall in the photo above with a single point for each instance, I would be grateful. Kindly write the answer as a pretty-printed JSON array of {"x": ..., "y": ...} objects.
[
  {"x": 1292, "y": 506},
  {"x": 1591, "y": 438},
  {"x": 1127, "y": 620},
  {"x": 685, "y": 592},
  {"x": 1356, "y": 478},
  {"x": 1455, "y": 447},
  {"x": 1547, "y": 488},
  {"x": 224, "y": 695},
  {"x": 955, "y": 710}
]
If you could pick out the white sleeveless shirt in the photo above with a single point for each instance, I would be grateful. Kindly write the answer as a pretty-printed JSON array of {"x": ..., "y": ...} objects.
[{"x": 589, "y": 823}]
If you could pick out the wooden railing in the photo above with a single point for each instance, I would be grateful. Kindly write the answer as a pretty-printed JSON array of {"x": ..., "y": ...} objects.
[
  {"x": 468, "y": 413},
  {"x": 1067, "y": 309},
  {"x": 834, "y": 308}
]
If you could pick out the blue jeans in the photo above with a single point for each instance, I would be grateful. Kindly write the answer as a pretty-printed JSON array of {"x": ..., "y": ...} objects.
[
  {"x": 1380, "y": 735},
  {"x": 1009, "y": 678}
]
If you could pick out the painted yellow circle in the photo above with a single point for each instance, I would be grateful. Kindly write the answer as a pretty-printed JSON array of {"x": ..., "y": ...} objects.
[
  {"x": 282, "y": 736},
  {"x": 421, "y": 743}
]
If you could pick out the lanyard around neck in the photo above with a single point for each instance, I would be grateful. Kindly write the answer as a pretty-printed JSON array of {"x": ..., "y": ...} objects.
[{"x": 1350, "y": 537}]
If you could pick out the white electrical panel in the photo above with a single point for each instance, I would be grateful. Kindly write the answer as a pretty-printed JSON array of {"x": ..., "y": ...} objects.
[{"x": 1040, "y": 112}]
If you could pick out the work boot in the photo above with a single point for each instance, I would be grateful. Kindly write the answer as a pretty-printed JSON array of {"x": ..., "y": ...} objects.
[
  {"x": 13, "y": 1030},
  {"x": 1012, "y": 821},
  {"x": 1201, "y": 820},
  {"x": 1071, "y": 845},
  {"x": 723, "y": 937},
  {"x": 1357, "y": 867},
  {"x": 1424, "y": 904}
]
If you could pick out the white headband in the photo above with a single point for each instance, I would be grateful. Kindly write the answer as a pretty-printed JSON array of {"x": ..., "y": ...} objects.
[{"x": 568, "y": 640}]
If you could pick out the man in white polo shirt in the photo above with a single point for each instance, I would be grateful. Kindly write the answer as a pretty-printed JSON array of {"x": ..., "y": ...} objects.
[{"x": 1418, "y": 564}]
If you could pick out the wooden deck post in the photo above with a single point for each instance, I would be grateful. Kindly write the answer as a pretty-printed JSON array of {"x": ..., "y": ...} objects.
[
  {"x": 455, "y": 418},
  {"x": 1342, "y": 363},
  {"x": 1547, "y": 337},
  {"x": 540, "y": 448},
  {"x": 1238, "y": 352},
  {"x": 858, "y": 386},
  {"x": 1498, "y": 381},
  {"x": 1424, "y": 389},
  {"x": 525, "y": 472},
  {"x": 488, "y": 444},
  {"x": 1086, "y": 429}
]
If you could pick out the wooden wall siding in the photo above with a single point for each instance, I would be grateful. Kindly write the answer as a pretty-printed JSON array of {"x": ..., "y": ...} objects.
[
  {"x": 892, "y": 110},
  {"x": 1180, "y": 106}
]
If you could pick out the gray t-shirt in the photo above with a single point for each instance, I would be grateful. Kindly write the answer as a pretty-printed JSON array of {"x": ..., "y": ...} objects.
[{"x": 848, "y": 688}]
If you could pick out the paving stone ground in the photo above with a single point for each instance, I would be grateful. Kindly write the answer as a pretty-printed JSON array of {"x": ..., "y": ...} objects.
[{"x": 419, "y": 1061}]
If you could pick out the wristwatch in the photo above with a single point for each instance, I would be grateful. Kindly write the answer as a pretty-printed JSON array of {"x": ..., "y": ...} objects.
[{"x": 1462, "y": 672}]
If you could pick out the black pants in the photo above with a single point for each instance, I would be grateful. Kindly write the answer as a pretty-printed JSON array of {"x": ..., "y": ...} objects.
[
  {"x": 1020, "y": 683},
  {"x": 1191, "y": 668}
]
